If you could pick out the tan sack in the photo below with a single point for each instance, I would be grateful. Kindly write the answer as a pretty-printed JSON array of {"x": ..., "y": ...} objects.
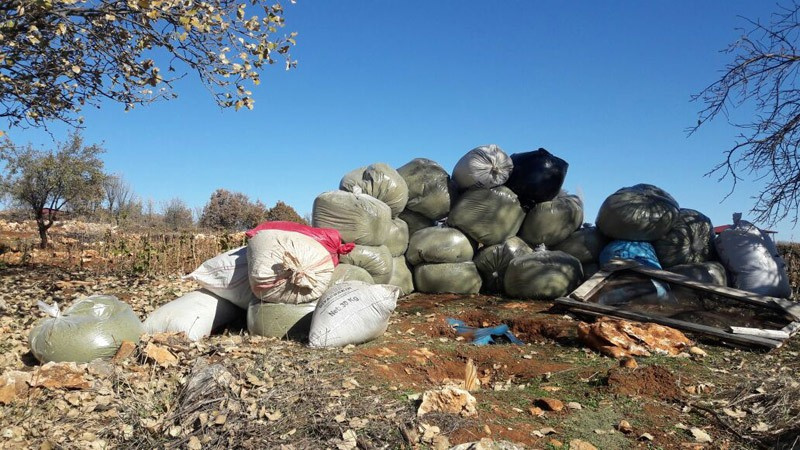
[{"x": 288, "y": 267}]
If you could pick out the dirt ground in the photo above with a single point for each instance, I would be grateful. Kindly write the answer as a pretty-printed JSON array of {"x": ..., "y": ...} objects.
[{"x": 551, "y": 392}]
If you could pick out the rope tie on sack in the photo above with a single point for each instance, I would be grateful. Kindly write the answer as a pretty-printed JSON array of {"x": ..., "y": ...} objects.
[
  {"x": 50, "y": 310},
  {"x": 295, "y": 273}
]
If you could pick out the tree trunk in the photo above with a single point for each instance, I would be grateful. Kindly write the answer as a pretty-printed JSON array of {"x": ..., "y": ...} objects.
[{"x": 42, "y": 233}]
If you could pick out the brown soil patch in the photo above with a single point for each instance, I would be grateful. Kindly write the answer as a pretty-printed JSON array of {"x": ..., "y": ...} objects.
[
  {"x": 520, "y": 433},
  {"x": 440, "y": 328},
  {"x": 479, "y": 318},
  {"x": 539, "y": 328},
  {"x": 651, "y": 381}
]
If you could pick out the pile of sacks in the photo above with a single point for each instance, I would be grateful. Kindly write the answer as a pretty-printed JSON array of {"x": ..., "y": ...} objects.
[
  {"x": 500, "y": 225},
  {"x": 485, "y": 228},
  {"x": 646, "y": 224},
  {"x": 285, "y": 279}
]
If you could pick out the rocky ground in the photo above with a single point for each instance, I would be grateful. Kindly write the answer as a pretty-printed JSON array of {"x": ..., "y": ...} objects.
[{"x": 234, "y": 390}]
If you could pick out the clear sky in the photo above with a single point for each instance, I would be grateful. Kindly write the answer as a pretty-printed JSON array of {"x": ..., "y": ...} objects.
[{"x": 603, "y": 85}]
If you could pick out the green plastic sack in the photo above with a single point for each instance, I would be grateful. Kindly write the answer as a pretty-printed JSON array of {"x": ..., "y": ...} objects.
[
  {"x": 551, "y": 222},
  {"x": 637, "y": 213},
  {"x": 402, "y": 276},
  {"x": 94, "y": 327},
  {"x": 439, "y": 245},
  {"x": 690, "y": 240},
  {"x": 584, "y": 244},
  {"x": 542, "y": 275},
  {"x": 492, "y": 262},
  {"x": 380, "y": 181},
  {"x": 429, "y": 188},
  {"x": 415, "y": 221},
  {"x": 398, "y": 237},
  {"x": 488, "y": 216},
  {"x": 348, "y": 272},
  {"x": 280, "y": 320},
  {"x": 455, "y": 278},
  {"x": 358, "y": 217},
  {"x": 377, "y": 260},
  {"x": 712, "y": 272}
]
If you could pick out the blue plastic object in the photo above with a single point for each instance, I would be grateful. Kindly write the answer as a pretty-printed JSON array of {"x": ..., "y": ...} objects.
[
  {"x": 483, "y": 336},
  {"x": 639, "y": 251}
]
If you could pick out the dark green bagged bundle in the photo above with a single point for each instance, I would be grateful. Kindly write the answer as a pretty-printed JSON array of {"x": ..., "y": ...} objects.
[
  {"x": 542, "y": 275},
  {"x": 439, "y": 245},
  {"x": 380, "y": 181},
  {"x": 429, "y": 188},
  {"x": 637, "y": 213},
  {"x": 398, "y": 237},
  {"x": 584, "y": 244},
  {"x": 551, "y": 222},
  {"x": 402, "y": 276},
  {"x": 358, "y": 217},
  {"x": 492, "y": 262},
  {"x": 712, "y": 272},
  {"x": 488, "y": 216},
  {"x": 94, "y": 327},
  {"x": 455, "y": 278},
  {"x": 690, "y": 240},
  {"x": 377, "y": 260},
  {"x": 415, "y": 221},
  {"x": 280, "y": 320},
  {"x": 348, "y": 272}
]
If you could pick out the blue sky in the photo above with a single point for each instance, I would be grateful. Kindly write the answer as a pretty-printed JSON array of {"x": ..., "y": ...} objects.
[{"x": 603, "y": 85}]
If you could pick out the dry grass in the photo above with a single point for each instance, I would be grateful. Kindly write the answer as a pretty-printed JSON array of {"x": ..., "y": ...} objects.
[{"x": 772, "y": 408}]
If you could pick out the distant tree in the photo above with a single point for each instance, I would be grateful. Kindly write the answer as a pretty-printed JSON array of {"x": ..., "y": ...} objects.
[
  {"x": 282, "y": 211},
  {"x": 176, "y": 215},
  {"x": 118, "y": 197},
  {"x": 48, "y": 182},
  {"x": 762, "y": 75},
  {"x": 58, "y": 55},
  {"x": 228, "y": 210}
]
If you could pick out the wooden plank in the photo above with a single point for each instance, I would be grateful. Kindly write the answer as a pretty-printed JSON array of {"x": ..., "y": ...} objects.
[
  {"x": 779, "y": 304},
  {"x": 769, "y": 334},
  {"x": 741, "y": 339},
  {"x": 595, "y": 282},
  {"x": 792, "y": 328},
  {"x": 590, "y": 286}
]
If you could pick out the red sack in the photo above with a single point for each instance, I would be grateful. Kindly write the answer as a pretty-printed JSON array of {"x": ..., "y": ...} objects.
[{"x": 328, "y": 237}]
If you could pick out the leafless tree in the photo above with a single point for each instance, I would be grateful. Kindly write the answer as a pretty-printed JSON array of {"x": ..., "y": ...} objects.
[
  {"x": 762, "y": 76},
  {"x": 118, "y": 196}
]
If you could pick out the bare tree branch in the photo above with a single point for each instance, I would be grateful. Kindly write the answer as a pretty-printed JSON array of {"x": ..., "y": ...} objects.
[{"x": 763, "y": 76}]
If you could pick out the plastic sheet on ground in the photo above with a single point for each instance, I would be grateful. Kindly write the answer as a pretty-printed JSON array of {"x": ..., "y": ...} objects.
[{"x": 486, "y": 335}]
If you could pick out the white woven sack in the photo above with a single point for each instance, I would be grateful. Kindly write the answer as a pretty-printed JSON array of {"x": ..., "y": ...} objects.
[
  {"x": 287, "y": 267},
  {"x": 226, "y": 276},
  {"x": 352, "y": 312},
  {"x": 197, "y": 314},
  {"x": 483, "y": 167}
]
